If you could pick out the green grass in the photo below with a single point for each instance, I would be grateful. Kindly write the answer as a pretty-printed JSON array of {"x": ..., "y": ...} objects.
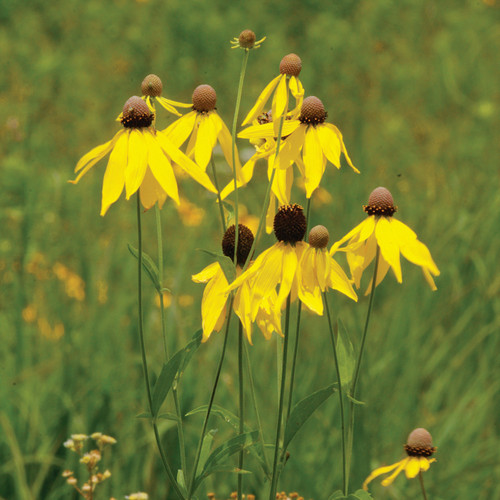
[{"x": 414, "y": 89}]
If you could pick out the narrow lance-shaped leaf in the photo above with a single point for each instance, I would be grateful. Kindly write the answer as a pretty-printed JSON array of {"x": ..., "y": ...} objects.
[
  {"x": 345, "y": 355},
  {"x": 149, "y": 266},
  {"x": 165, "y": 381},
  {"x": 226, "y": 264},
  {"x": 303, "y": 410}
]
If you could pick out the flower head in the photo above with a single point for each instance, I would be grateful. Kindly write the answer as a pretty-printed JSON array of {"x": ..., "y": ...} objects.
[
  {"x": 216, "y": 293},
  {"x": 418, "y": 448},
  {"x": 317, "y": 271},
  {"x": 205, "y": 128},
  {"x": 309, "y": 142},
  {"x": 152, "y": 88},
  {"x": 246, "y": 40},
  {"x": 381, "y": 230},
  {"x": 288, "y": 79},
  {"x": 140, "y": 160}
]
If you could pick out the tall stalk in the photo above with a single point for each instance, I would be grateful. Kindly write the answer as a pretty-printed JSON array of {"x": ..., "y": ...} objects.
[{"x": 241, "y": 405}]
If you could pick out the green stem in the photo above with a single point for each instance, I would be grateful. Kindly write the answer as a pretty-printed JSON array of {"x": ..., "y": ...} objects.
[
  {"x": 233, "y": 149},
  {"x": 274, "y": 479},
  {"x": 256, "y": 410},
  {"x": 269, "y": 186},
  {"x": 341, "y": 398},
  {"x": 221, "y": 207},
  {"x": 170, "y": 475},
  {"x": 421, "y": 479},
  {"x": 358, "y": 364},
  {"x": 211, "y": 401},
  {"x": 241, "y": 404}
]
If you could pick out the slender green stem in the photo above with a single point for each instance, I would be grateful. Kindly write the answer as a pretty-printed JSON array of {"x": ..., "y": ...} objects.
[
  {"x": 242, "y": 408},
  {"x": 256, "y": 410},
  {"x": 421, "y": 479},
  {"x": 210, "y": 403},
  {"x": 358, "y": 364},
  {"x": 274, "y": 479},
  {"x": 168, "y": 470},
  {"x": 233, "y": 148},
  {"x": 341, "y": 398},
  {"x": 221, "y": 207},
  {"x": 270, "y": 184}
]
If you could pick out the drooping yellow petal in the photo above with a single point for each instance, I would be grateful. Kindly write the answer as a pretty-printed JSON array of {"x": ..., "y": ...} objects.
[
  {"x": 289, "y": 268},
  {"x": 337, "y": 280},
  {"x": 429, "y": 279},
  {"x": 292, "y": 146},
  {"x": 330, "y": 143},
  {"x": 161, "y": 167},
  {"x": 379, "y": 471},
  {"x": 388, "y": 245},
  {"x": 245, "y": 177},
  {"x": 213, "y": 302},
  {"x": 94, "y": 155},
  {"x": 266, "y": 130},
  {"x": 169, "y": 105},
  {"x": 344, "y": 150},
  {"x": 412, "y": 467},
  {"x": 205, "y": 141},
  {"x": 150, "y": 191},
  {"x": 280, "y": 102},
  {"x": 114, "y": 177},
  {"x": 242, "y": 308},
  {"x": 362, "y": 231},
  {"x": 383, "y": 267},
  {"x": 261, "y": 101},
  {"x": 137, "y": 162},
  {"x": 179, "y": 131},
  {"x": 206, "y": 274},
  {"x": 314, "y": 160},
  {"x": 185, "y": 163},
  {"x": 225, "y": 141},
  {"x": 389, "y": 480}
]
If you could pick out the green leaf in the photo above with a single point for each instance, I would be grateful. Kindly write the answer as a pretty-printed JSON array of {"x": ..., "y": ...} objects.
[
  {"x": 165, "y": 380},
  {"x": 226, "y": 264},
  {"x": 149, "y": 266},
  {"x": 355, "y": 401},
  {"x": 206, "y": 446},
  {"x": 337, "y": 495},
  {"x": 303, "y": 410},
  {"x": 345, "y": 355},
  {"x": 145, "y": 414},
  {"x": 190, "y": 349},
  {"x": 358, "y": 495},
  {"x": 216, "y": 458},
  {"x": 181, "y": 481},
  {"x": 168, "y": 416}
]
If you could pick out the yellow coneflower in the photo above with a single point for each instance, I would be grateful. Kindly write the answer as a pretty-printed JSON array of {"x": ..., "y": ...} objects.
[
  {"x": 246, "y": 40},
  {"x": 152, "y": 88},
  {"x": 140, "y": 159},
  {"x": 418, "y": 448},
  {"x": 391, "y": 236}
]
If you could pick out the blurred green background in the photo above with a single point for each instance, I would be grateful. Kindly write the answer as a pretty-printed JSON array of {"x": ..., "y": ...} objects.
[{"x": 414, "y": 87}]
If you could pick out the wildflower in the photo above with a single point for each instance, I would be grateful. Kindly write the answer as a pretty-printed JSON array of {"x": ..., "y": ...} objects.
[
  {"x": 317, "y": 271},
  {"x": 137, "y": 496},
  {"x": 391, "y": 236},
  {"x": 276, "y": 265},
  {"x": 246, "y": 41},
  {"x": 152, "y": 88},
  {"x": 309, "y": 142},
  {"x": 140, "y": 159},
  {"x": 204, "y": 127},
  {"x": 418, "y": 448},
  {"x": 215, "y": 295},
  {"x": 290, "y": 67}
]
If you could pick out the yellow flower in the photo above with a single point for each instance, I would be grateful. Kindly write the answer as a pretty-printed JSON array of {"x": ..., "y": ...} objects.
[
  {"x": 317, "y": 271},
  {"x": 309, "y": 142},
  {"x": 152, "y": 88},
  {"x": 246, "y": 41},
  {"x": 140, "y": 159},
  {"x": 391, "y": 236},
  {"x": 216, "y": 293},
  {"x": 419, "y": 448},
  {"x": 290, "y": 67},
  {"x": 205, "y": 128}
]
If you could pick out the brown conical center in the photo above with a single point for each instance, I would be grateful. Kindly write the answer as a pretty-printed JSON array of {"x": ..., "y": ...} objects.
[
  {"x": 291, "y": 65},
  {"x": 247, "y": 39},
  {"x": 290, "y": 224},
  {"x": 245, "y": 242},
  {"x": 136, "y": 114},
  {"x": 151, "y": 86},
  {"x": 419, "y": 443},
  {"x": 380, "y": 202},
  {"x": 318, "y": 237},
  {"x": 312, "y": 111},
  {"x": 204, "y": 98}
]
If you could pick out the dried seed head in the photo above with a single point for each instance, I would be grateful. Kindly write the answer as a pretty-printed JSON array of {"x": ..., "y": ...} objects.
[
  {"x": 204, "y": 99},
  {"x": 151, "y": 86},
  {"x": 245, "y": 242},
  {"x": 380, "y": 202},
  {"x": 318, "y": 237},
  {"x": 247, "y": 39},
  {"x": 419, "y": 443},
  {"x": 136, "y": 114},
  {"x": 312, "y": 111},
  {"x": 291, "y": 65},
  {"x": 290, "y": 224}
]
